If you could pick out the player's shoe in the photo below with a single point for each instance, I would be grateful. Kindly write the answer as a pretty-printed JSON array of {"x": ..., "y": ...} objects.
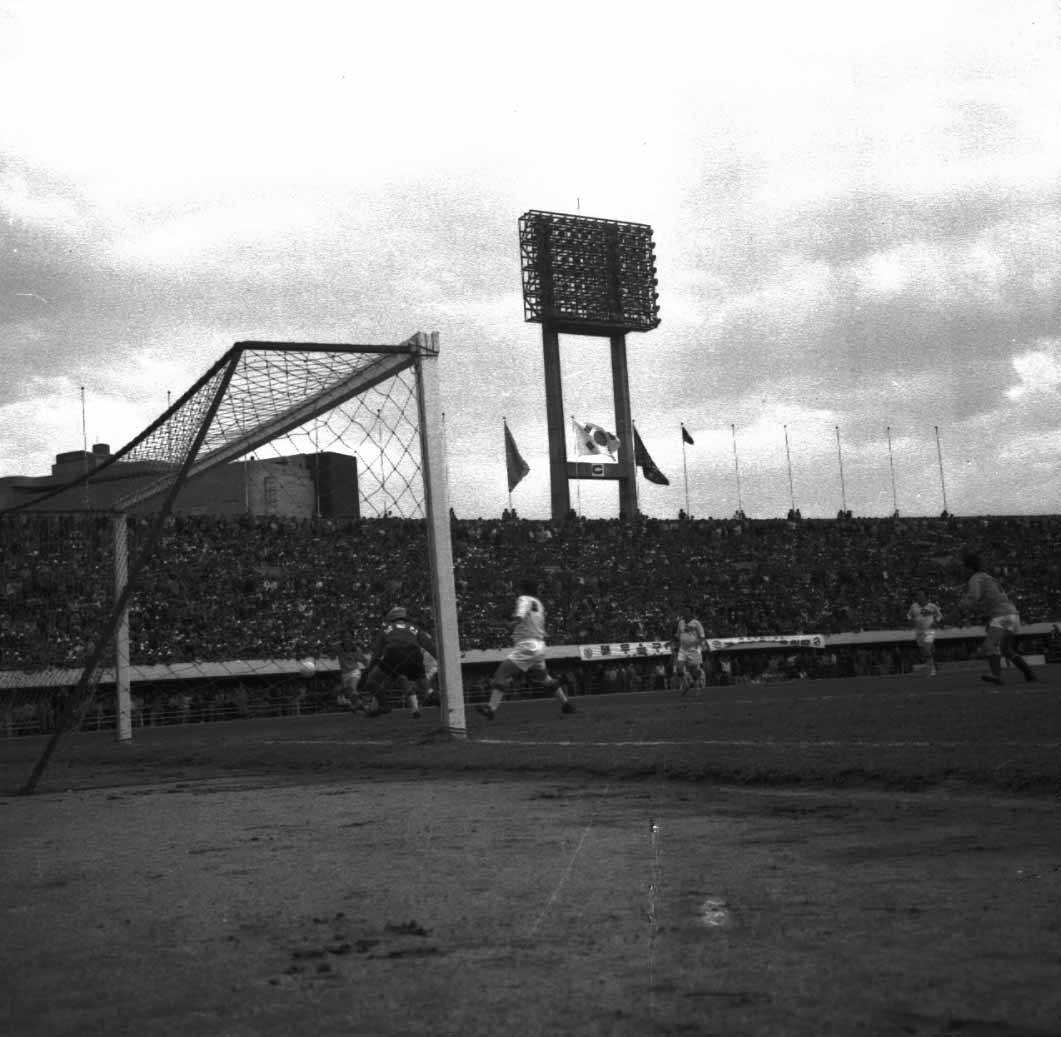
[
  {"x": 486, "y": 711},
  {"x": 990, "y": 678},
  {"x": 415, "y": 714},
  {"x": 567, "y": 707}
]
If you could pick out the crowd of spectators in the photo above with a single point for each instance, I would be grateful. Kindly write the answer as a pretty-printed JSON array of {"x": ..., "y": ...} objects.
[{"x": 217, "y": 588}]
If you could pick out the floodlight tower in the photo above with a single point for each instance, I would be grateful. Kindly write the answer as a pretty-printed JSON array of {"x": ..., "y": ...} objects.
[{"x": 586, "y": 276}]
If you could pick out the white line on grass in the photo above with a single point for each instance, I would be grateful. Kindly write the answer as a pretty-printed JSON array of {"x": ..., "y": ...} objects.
[
  {"x": 566, "y": 872},
  {"x": 745, "y": 743},
  {"x": 655, "y": 890},
  {"x": 330, "y": 741}
]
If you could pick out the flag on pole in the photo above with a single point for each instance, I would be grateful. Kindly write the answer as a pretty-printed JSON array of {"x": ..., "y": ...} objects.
[
  {"x": 686, "y": 438},
  {"x": 592, "y": 439},
  {"x": 517, "y": 467},
  {"x": 646, "y": 464}
]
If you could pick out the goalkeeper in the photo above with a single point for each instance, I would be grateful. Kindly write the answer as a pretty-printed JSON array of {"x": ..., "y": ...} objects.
[{"x": 398, "y": 656}]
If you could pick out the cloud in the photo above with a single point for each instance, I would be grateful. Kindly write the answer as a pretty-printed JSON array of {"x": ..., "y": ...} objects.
[{"x": 1038, "y": 370}]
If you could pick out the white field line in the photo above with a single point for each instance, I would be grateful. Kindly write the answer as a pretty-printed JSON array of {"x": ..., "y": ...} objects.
[
  {"x": 659, "y": 743},
  {"x": 747, "y": 743},
  {"x": 565, "y": 874},
  {"x": 655, "y": 893}
]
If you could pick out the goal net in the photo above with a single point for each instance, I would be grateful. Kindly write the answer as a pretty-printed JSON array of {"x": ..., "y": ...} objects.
[{"x": 238, "y": 556}]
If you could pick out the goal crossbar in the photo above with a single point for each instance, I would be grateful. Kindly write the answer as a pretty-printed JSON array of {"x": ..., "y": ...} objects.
[{"x": 394, "y": 360}]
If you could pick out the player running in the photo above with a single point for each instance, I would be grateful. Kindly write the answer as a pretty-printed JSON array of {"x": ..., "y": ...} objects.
[
  {"x": 527, "y": 655},
  {"x": 924, "y": 615},
  {"x": 398, "y": 654},
  {"x": 689, "y": 640},
  {"x": 352, "y": 665},
  {"x": 984, "y": 595}
]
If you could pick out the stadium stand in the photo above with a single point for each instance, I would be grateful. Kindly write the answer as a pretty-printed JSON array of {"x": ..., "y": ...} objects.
[{"x": 225, "y": 588}]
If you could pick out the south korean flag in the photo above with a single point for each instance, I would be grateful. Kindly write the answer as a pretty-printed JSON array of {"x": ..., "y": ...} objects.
[{"x": 592, "y": 439}]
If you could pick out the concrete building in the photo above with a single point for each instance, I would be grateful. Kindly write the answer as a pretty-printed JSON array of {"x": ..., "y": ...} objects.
[{"x": 298, "y": 486}]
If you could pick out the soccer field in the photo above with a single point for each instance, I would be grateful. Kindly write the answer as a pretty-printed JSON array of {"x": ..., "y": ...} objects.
[
  {"x": 878, "y": 856},
  {"x": 906, "y": 732}
]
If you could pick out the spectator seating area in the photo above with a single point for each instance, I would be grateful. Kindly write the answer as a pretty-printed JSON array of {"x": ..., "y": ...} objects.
[{"x": 251, "y": 588}]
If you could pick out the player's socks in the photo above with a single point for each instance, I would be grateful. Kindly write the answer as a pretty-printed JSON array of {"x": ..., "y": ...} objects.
[
  {"x": 1021, "y": 663},
  {"x": 414, "y": 705},
  {"x": 566, "y": 705}
]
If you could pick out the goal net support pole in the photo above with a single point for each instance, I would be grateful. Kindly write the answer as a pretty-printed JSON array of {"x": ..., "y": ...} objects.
[
  {"x": 440, "y": 547},
  {"x": 122, "y": 689}
]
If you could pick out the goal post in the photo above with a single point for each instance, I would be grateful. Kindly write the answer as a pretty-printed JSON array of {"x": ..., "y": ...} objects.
[
  {"x": 271, "y": 515},
  {"x": 440, "y": 544}
]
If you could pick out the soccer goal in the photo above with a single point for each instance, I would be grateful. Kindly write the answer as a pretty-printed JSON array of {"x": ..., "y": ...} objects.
[{"x": 235, "y": 556}]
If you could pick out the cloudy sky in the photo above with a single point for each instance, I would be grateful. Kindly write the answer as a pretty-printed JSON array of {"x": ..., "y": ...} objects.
[{"x": 855, "y": 208}]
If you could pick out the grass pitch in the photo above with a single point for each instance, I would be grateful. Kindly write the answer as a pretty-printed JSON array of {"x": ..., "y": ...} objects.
[{"x": 909, "y": 732}]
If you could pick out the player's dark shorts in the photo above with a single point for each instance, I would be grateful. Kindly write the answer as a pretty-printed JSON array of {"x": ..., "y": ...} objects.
[{"x": 403, "y": 661}]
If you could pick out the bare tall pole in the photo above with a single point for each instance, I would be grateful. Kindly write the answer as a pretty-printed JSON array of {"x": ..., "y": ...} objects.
[
  {"x": 736, "y": 469},
  {"x": 840, "y": 458},
  {"x": 84, "y": 447},
  {"x": 942, "y": 484},
  {"x": 891, "y": 465},
  {"x": 788, "y": 458}
]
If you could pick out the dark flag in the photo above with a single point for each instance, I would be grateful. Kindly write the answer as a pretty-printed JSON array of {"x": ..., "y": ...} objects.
[
  {"x": 517, "y": 467},
  {"x": 646, "y": 464},
  {"x": 686, "y": 438}
]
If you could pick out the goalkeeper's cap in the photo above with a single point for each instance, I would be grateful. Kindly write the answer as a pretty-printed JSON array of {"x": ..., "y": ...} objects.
[{"x": 395, "y": 613}]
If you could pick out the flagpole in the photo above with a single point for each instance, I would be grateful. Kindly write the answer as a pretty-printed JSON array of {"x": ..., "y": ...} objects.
[
  {"x": 788, "y": 458},
  {"x": 685, "y": 470},
  {"x": 445, "y": 455},
  {"x": 84, "y": 444},
  {"x": 840, "y": 458},
  {"x": 736, "y": 469},
  {"x": 637, "y": 510},
  {"x": 891, "y": 465},
  {"x": 942, "y": 485},
  {"x": 504, "y": 423}
]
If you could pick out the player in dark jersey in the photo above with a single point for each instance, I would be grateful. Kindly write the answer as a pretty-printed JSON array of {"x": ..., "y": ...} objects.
[{"x": 398, "y": 655}]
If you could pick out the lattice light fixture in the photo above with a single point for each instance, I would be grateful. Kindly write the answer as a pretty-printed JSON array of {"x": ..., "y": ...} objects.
[{"x": 587, "y": 276}]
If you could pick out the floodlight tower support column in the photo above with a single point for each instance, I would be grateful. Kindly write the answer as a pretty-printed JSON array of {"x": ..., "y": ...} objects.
[
  {"x": 440, "y": 547},
  {"x": 624, "y": 429},
  {"x": 560, "y": 490}
]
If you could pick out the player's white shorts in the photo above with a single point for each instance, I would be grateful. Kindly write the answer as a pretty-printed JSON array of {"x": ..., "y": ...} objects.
[
  {"x": 689, "y": 657},
  {"x": 997, "y": 628},
  {"x": 527, "y": 654},
  {"x": 1009, "y": 622},
  {"x": 926, "y": 638}
]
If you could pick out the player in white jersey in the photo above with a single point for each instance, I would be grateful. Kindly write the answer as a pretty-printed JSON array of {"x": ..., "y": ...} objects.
[
  {"x": 689, "y": 640},
  {"x": 924, "y": 615},
  {"x": 985, "y": 596},
  {"x": 527, "y": 655}
]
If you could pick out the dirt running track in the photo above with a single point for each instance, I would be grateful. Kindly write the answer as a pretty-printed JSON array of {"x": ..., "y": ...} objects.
[{"x": 523, "y": 905}]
